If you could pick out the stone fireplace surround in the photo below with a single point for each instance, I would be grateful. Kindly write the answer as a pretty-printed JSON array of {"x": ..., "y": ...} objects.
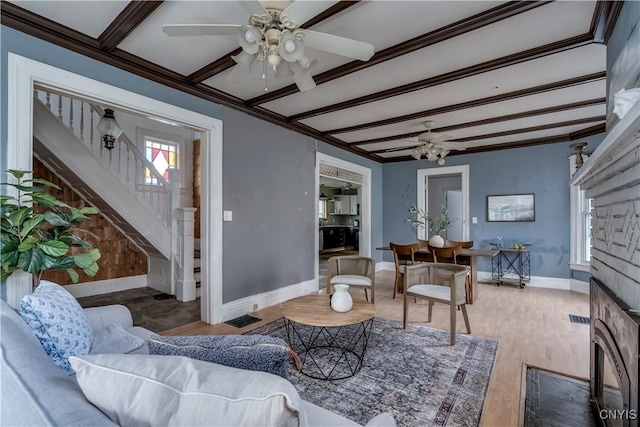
[
  {"x": 615, "y": 335},
  {"x": 611, "y": 178}
]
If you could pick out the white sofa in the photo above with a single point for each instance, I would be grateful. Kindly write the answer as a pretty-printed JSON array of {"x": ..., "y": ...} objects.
[{"x": 35, "y": 391}]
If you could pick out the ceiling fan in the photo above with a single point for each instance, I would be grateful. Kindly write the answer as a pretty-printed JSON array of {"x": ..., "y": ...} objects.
[
  {"x": 432, "y": 145},
  {"x": 275, "y": 37}
]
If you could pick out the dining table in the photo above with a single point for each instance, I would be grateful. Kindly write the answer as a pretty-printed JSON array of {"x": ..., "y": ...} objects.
[{"x": 472, "y": 255}]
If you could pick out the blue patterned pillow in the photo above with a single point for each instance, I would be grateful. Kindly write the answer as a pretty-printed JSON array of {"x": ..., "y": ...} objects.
[{"x": 59, "y": 322}]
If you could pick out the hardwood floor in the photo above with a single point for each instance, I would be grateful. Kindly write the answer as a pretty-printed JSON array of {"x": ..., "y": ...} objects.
[{"x": 531, "y": 325}]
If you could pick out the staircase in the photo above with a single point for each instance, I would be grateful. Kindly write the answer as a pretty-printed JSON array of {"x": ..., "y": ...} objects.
[{"x": 117, "y": 182}]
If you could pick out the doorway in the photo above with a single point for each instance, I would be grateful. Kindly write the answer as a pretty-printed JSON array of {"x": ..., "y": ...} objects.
[
  {"x": 449, "y": 187},
  {"x": 24, "y": 73},
  {"x": 343, "y": 224},
  {"x": 338, "y": 221}
]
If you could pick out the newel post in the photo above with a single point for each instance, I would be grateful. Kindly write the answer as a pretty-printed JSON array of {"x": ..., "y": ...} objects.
[
  {"x": 186, "y": 284},
  {"x": 175, "y": 177}
]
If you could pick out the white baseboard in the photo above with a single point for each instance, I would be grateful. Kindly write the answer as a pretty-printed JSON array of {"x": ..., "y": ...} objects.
[
  {"x": 100, "y": 287},
  {"x": 579, "y": 286},
  {"x": 485, "y": 277},
  {"x": 246, "y": 305},
  {"x": 385, "y": 265},
  {"x": 534, "y": 282}
]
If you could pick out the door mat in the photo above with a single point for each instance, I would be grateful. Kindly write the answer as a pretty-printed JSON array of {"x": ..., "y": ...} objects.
[
  {"x": 162, "y": 296},
  {"x": 242, "y": 321},
  {"x": 579, "y": 319}
]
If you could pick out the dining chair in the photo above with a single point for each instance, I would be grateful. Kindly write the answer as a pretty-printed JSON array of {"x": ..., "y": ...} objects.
[
  {"x": 466, "y": 244},
  {"x": 353, "y": 270},
  {"x": 447, "y": 254},
  {"x": 451, "y": 254},
  {"x": 402, "y": 255},
  {"x": 422, "y": 255},
  {"x": 437, "y": 282}
]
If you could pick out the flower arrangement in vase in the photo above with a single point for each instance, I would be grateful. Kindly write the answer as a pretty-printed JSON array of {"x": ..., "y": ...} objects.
[{"x": 435, "y": 225}]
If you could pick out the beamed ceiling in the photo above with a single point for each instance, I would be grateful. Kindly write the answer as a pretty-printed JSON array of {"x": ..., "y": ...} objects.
[{"x": 490, "y": 74}]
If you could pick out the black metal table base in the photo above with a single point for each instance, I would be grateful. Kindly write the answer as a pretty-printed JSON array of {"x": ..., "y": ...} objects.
[{"x": 329, "y": 353}]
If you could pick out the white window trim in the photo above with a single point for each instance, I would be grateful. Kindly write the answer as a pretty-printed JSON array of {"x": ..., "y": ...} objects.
[{"x": 578, "y": 226}]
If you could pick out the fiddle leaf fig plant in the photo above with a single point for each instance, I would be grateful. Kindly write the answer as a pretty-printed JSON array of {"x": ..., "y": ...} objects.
[{"x": 39, "y": 231}]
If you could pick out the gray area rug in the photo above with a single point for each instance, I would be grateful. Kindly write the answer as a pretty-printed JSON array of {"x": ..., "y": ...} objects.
[{"x": 414, "y": 374}]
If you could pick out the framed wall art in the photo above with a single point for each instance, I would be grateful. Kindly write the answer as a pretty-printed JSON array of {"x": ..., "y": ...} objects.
[{"x": 511, "y": 208}]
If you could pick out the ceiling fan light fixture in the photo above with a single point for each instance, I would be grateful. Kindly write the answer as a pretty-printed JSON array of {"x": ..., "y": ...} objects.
[
  {"x": 441, "y": 161},
  {"x": 283, "y": 71},
  {"x": 249, "y": 38},
  {"x": 273, "y": 59},
  {"x": 241, "y": 71},
  {"x": 291, "y": 48},
  {"x": 304, "y": 62},
  {"x": 416, "y": 153}
]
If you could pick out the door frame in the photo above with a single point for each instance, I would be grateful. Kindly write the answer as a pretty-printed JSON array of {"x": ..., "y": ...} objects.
[
  {"x": 423, "y": 193},
  {"x": 24, "y": 73},
  {"x": 365, "y": 205}
]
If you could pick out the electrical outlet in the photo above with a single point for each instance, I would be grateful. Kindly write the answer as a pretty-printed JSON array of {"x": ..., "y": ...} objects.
[
  {"x": 227, "y": 215},
  {"x": 474, "y": 220},
  {"x": 255, "y": 307}
]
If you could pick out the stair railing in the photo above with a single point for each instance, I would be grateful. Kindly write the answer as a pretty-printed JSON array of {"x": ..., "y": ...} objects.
[{"x": 125, "y": 160}]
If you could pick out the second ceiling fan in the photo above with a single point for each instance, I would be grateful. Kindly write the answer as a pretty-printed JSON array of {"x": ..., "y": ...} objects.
[
  {"x": 275, "y": 36},
  {"x": 432, "y": 145}
]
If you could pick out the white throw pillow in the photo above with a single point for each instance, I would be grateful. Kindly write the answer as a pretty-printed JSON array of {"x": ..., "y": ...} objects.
[{"x": 137, "y": 389}]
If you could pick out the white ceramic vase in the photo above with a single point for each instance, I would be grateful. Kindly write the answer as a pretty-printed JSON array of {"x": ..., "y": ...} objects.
[
  {"x": 341, "y": 300},
  {"x": 437, "y": 241}
]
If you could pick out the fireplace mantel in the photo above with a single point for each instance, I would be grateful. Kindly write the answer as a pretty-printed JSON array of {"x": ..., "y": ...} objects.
[{"x": 618, "y": 142}]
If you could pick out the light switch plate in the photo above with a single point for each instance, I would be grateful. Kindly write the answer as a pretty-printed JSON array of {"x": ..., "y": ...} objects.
[
  {"x": 227, "y": 215},
  {"x": 474, "y": 220}
]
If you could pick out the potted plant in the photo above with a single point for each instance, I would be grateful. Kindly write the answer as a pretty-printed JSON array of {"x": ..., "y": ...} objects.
[
  {"x": 435, "y": 225},
  {"x": 39, "y": 232}
]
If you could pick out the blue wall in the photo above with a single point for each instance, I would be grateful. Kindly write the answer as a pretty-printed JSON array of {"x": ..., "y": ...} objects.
[{"x": 542, "y": 170}]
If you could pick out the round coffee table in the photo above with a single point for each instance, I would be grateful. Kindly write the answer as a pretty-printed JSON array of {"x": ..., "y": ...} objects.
[{"x": 330, "y": 345}]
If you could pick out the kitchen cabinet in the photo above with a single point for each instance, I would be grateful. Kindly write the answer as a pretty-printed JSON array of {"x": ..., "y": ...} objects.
[
  {"x": 345, "y": 204},
  {"x": 338, "y": 237},
  {"x": 333, "y": 237}
]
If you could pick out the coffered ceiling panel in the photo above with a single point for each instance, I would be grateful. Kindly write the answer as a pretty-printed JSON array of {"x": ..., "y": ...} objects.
[
  {"x": 577, "y": 62},
  {"x": 578, "y": 95},
  {"x": 491, "y": 75}
]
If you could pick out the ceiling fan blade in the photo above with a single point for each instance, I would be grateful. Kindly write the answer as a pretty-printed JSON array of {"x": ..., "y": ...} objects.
[
  {"x": 304, "y": 82},
  {"x": 453, "y": 147},
  {"x": 440, "y": 137},
  {"x": 302, "y": 11},
  {"x": 283, "y": 71},
  {"x": 302, "y": 76},
  {"x": 408, "y": 147},
  {"x": 339, "y": 45},
  {"x": 254, "y": 7},
  {"x": 194, "y": 30}
]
